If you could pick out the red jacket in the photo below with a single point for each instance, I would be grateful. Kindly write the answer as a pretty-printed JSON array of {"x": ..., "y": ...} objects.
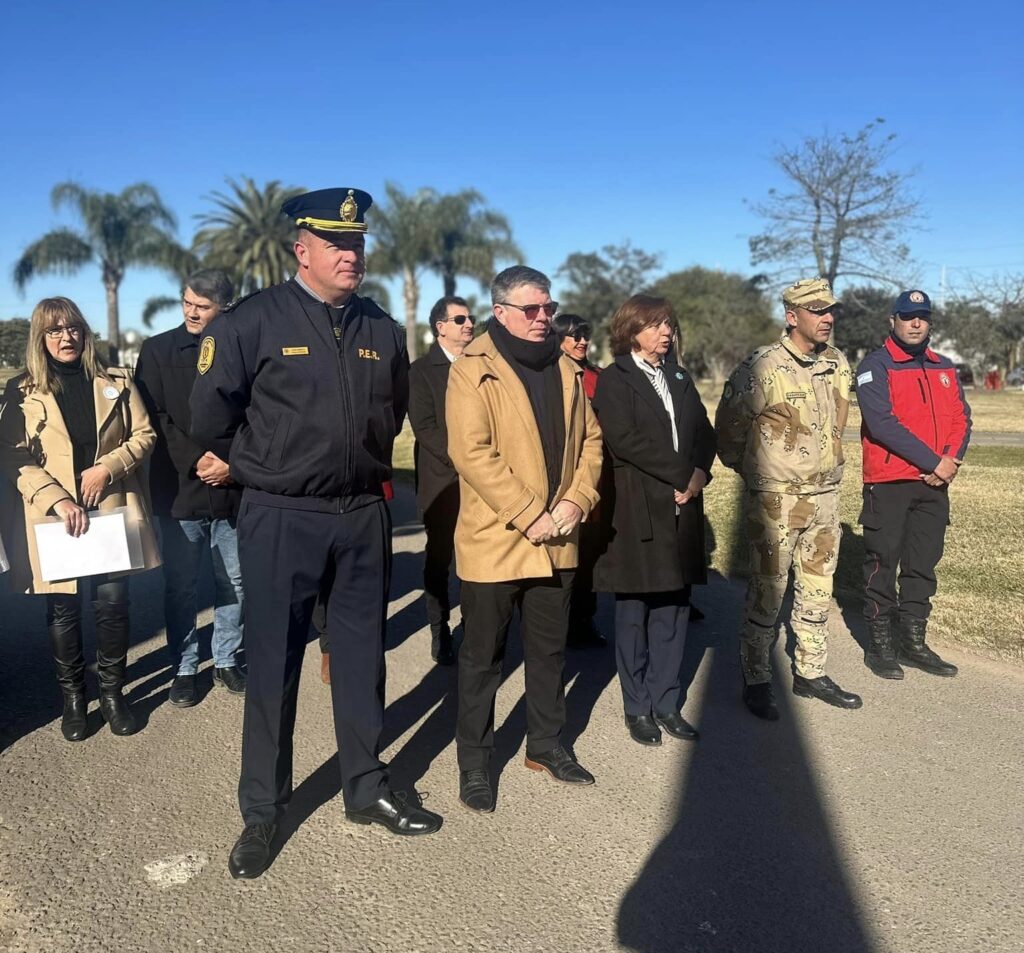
[{"x": 913, "y": 413}]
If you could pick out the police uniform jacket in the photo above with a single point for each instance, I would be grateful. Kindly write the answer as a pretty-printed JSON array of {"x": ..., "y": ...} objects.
[
  {"x": 36, "y": 455},
  {"x": 646, "y": 546},
  {"x": 165, "y": 374},
  {"x": 781, "y": 417},
  {"x": 495, "y": 445},
  {"x": 306, "y": 419},
  {"x": 428, "y": 381},
  {"x": 913, "y": 413}
]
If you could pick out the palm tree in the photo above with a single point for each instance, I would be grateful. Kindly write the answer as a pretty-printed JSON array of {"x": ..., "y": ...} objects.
[
  {"x": 404, "y": 243},
  {"x": 132, "y": 227},
  {"x": 247, "y": 236},
  {"x": 470, "y": 239}
]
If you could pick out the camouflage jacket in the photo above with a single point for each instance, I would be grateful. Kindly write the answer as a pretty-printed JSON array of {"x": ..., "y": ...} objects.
[{"x": 781, "y": 417}]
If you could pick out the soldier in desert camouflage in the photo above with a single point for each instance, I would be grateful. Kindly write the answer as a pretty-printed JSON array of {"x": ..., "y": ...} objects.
[{"x": 779, "y": 425}]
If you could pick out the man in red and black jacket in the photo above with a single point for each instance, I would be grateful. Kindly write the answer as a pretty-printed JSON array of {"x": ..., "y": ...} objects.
[{"x": 915, "y": 429}]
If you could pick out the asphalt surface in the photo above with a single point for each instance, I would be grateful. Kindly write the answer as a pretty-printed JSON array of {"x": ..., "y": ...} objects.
[{"x": 894, "y": 828}]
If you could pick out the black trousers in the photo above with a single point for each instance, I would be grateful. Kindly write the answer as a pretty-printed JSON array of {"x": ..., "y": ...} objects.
[
  {"x": 650, "y": 636},
  {"x": 486, "y": 615},
  {"x": 285, "y": 554},
  {"x": 904, "y": 532},
  {"x": 583, "y": 605},
  {"x": 439, "y": 521}
]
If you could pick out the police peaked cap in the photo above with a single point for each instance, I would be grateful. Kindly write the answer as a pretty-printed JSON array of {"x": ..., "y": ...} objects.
[{"x": 330, "y": 210}]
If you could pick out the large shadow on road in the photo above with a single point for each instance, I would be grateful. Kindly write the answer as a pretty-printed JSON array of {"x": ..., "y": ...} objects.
[{"x": 751, "y": 863}]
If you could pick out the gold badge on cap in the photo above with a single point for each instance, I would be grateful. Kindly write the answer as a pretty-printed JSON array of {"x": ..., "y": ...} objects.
[
  {"x": 916, "y": 297},
  {"x": 349, "y": 208},
  {"x": 206, "y": 348}
]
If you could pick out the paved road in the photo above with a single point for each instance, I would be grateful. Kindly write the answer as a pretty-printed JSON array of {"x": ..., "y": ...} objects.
[{"x": 896, "y": 828}]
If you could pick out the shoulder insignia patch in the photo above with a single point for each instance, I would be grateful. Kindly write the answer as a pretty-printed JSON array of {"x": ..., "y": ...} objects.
[
  {"x": 206, "y": 350},
  {"x": 727, "y": 391},
  {"x": 944, "y": 379},
  {"x": 864, "y": 378}
]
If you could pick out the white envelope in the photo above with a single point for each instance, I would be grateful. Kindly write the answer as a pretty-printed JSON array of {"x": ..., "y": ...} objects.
[{"x": 111, "y": 544}]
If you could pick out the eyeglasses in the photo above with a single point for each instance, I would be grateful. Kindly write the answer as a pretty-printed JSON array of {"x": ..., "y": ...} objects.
[
  {"x": 461, "y": 319},
  {"x": 580, "y": 335},
  {"x": 74, "y": 331},
  {"x": 532, "y": 310}
]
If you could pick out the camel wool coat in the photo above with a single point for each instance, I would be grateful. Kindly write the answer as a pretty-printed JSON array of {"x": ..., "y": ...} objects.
[
  {"x": 36, "y": 455},
  {"x": 495, "y": 445}
]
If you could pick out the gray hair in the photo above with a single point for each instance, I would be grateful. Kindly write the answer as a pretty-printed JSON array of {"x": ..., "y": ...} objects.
[
  {"x": 515, "y": 277},
  {"x": 211, "y": 283}
]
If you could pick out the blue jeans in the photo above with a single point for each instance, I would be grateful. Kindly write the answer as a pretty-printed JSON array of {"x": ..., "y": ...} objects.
[{"x": 183, "y": 544}]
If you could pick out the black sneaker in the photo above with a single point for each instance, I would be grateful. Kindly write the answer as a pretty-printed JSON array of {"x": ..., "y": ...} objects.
[
  {"x": 183, "y": 691},
  {"x": 230, "y": 678}
]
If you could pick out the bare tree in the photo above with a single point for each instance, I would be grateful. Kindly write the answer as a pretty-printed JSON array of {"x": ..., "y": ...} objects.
[{"x": 846, "y": 213}]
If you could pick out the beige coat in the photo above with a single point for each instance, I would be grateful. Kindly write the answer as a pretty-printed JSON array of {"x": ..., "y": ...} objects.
[
  {"x": 35, "y": 454},
  {"x": 495, "y": 445}
]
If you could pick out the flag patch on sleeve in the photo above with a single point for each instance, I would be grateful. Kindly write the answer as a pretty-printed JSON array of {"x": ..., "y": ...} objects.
[{"x": 864, "y": 378}]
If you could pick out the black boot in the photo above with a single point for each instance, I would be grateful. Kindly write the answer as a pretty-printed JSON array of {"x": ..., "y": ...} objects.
[
  {"x": 66, "y": 644},
  {"x": 442, "y": 648},
  {"x": 880, "y": 655},
  {"x": 914, "y": 652},
  {"x": 112, "y": 633}
]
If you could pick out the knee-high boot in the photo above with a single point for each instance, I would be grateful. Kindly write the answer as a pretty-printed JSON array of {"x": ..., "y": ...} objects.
[
  {"x": 112, "y": 635},
  {"x": 65, "y": 624}
]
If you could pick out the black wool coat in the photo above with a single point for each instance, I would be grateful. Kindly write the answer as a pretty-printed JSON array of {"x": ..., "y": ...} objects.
[
  {"x": 164, "y": 377},
  {"x": 428, "y": 382},
  {"x": 645, "y": 547}
]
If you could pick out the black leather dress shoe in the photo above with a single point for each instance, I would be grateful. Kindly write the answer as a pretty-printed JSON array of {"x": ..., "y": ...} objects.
[
  {"x": 117, "y": 714},
  {"x": 183, "y": 691},
  {"x": 677, "y": 726},
  {"x": 398, "y": 816},
  {"x": 251, "y": 854},
  {"x": 825, "y": 689},
  {"x": 230, "y": 678},
  {"x": 643, "y": 730},
  {"x": 561, "y": 765},
  {"x": 74, "y": 723},
  {"x": 760, "y": 701},
  {"x": 475, "y": 790}
]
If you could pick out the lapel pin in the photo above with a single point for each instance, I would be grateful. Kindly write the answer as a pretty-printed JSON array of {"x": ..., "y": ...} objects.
[
  {"x": 679, "y": 375},
  {"x": 110, "y": 392}
]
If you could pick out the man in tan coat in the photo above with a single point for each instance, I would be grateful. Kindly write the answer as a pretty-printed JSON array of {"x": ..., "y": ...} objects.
[{"x": 527, "y": 449}]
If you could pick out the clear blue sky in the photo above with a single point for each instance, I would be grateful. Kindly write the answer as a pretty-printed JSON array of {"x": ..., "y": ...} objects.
[{"x": 586, "y": 123}]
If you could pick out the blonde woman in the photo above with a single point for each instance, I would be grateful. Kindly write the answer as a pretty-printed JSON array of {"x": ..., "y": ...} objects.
[{"x": 72, "y": 437}]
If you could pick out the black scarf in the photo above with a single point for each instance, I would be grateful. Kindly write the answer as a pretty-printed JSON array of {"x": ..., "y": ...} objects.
[
  {"x": 536, "y": 365},
  {"x": 73, "y": 393}
]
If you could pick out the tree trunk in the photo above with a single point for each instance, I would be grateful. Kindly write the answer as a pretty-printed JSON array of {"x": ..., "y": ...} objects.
[
  {"x": 113, "y": 322},
  {"x": 411, "y": 293},
  {"x": 449, "y": 283}
]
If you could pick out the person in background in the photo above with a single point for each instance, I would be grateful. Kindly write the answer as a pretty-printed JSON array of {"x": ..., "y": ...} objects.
[
  {"x": 575, "y": 335},
  {"x": 194, "y": 497},
  {"x": 73, "y": 436},
  {"x": 437, "y": 483},
  {"x": 661, "y": 446}
]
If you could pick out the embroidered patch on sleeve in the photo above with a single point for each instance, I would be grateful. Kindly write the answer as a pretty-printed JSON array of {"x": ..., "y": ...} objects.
[{"x": 864, "y": 378}]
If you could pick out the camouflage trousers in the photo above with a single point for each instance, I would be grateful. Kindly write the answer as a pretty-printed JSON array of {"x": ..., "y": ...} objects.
[{"x": 803, "y": 532}]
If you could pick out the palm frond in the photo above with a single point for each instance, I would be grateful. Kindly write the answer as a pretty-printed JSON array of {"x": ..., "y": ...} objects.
[{"x": 62, "y": 251}]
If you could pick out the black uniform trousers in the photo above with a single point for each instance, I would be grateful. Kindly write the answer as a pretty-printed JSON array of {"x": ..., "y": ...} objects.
[
  {"x": 904, "y": 532},
  {"x": 439, "y": 521},
  {"x": 285, "y": 553},
  {"x": 486, "y": 615},
  {"x": 650, "y": 637}
]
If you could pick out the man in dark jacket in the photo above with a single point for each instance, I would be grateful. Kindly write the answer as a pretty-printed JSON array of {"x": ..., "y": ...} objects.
[
  {"x": 437, "y": 483},
  {"x": 303, "y": 387},
  {"x": 194, "y": 498},
  {"x": 915, "y": 429}
]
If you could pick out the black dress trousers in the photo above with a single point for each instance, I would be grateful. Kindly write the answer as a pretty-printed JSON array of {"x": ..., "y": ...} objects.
[
  {"x": 285, "y": 554},
  {"x": 650, "y": 637},
  {"x": 904, "y": 532},
  {"x": 439, "y": 521},
  {"x": 486, "y": 615}
]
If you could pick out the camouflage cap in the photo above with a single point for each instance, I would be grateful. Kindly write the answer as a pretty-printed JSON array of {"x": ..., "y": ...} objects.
[{"x": 814, "y": 294}]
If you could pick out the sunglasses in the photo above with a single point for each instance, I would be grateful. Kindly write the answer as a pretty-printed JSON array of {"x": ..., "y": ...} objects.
[
  {"x": 533, "y": 310},
  {"x": 580, "y": 336},
  {"x": 461, "y": 319}
]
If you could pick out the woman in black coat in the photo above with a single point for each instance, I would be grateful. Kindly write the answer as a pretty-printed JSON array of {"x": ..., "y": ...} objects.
[{"x": 661, "y": 447}]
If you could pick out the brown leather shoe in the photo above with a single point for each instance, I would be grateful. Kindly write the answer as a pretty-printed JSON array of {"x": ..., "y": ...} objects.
[{"x": 325, "y": 668}]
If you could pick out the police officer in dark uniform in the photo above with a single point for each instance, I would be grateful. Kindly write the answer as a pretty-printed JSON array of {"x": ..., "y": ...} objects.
[{"x": 302, "y": 388}]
